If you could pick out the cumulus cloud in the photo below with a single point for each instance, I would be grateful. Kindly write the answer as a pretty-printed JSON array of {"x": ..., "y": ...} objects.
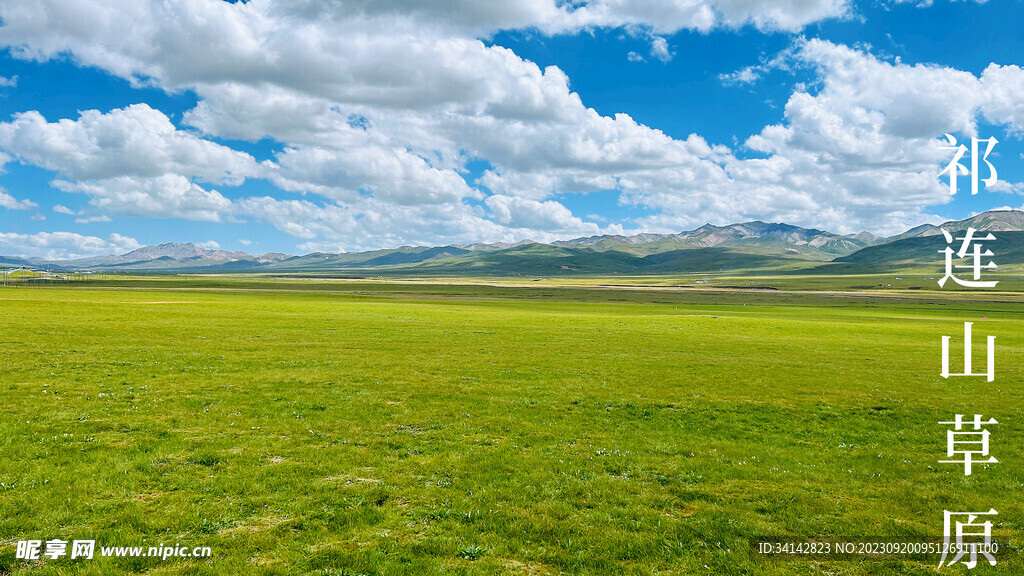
[
  {"x": 865, "y": 145},
  {"x": 860, "y": 152},
  {"x": 12, "y": 203},
  {"x": 135, "y": 141},
  {"x": 370, "y": 223},
  {"x": 63, "y": 245},
  {"x": 130, "y": 161},
  {"x": 529, "y": 214},
  {"x": 170, "y": 195},
  {"x": 394, "y": 121},
  {"x": 380, "y": 106},
  {"x": 660, "y": 49},
  {"x": 391, "y": 175},
  {"x": 188, "y": 31}
]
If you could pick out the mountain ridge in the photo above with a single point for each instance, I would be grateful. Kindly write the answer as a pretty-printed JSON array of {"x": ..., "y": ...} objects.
[{"x": 754, "y": 243}]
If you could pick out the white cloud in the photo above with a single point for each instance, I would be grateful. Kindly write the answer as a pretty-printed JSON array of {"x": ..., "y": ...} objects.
[
  {"x": 135, "y": 141},
  {"x": 380, "y": 105},
  {"x": 209, "y": 245},
  {"x": 660, "y": 49},
  {"x": 635, "y": 57},
  {"x": 8, "y": 82},
  {"x": 12, "y": 203},
  {"x": 1007, "y": 187},
  {"x": 92, "y": 219},
  {"x": 62, "y": 209},
  {"x": 130, "y": 161},
  {"x": 864, "y": 149},
  {"x": 669, "y": 16},
  {"x": 784, "y": 60},
  {"x": 125, "y": 36},
  {"x": 325, "y": 247},
  {"x": 63, "y": 245},
  {"x": 861, "y": 153},
  {"x": 429, "y": 104},
  {"x": 392, "y": 175},
  {"x": 527, "y": 214},
  {"x": 929, "y": 3},
  {"x": 298, "y": 218},
  {"x": 164, "y": 196},
  {"x": 371, "y": 224},
  {"x": 747, "y": 75},
  {"x": 244, "y": 242}
]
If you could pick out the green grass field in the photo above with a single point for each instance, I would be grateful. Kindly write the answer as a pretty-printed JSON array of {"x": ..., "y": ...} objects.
[{"x": 382, "y": 428}]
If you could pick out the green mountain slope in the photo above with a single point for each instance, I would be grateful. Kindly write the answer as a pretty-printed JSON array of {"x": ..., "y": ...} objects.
[{"x": 925, "y": 251}]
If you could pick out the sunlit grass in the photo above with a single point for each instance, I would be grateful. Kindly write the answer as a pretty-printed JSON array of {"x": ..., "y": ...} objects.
[{"x": 367, "y": 428}]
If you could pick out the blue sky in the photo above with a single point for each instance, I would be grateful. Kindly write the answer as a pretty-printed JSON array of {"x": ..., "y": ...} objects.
[{"x": 354, "y": 125}]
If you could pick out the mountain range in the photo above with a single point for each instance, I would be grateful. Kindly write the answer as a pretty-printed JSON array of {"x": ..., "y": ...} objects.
[{"x": 747, "y": 246}]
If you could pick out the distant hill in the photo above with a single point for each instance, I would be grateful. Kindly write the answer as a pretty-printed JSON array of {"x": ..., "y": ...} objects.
[
  {"x": 1008, "y": 248},
  {"x": 493, "y": 245},
  {"x": 785, "y": 239},
  {"x": 10, "y": 261},
  {"x": 371, "y": 259},
  {"x": 748, "y": 246},
  {"x": 168, "y": 256},
  {"x": 991, "y": 221},
  {"x": 920, "y": 247}
]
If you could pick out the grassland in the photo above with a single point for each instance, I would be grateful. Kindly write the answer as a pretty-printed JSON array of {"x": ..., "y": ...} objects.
[{"x": 324, "y": 427}]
